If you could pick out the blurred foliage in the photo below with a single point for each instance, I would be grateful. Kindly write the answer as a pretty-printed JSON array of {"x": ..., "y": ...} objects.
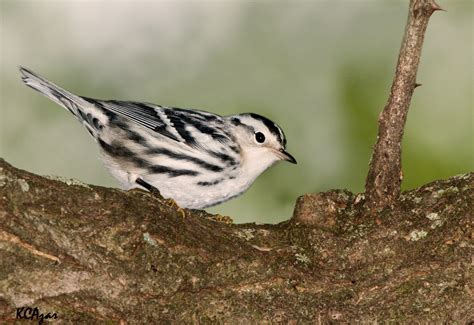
[{"x": 321, "y": 69}]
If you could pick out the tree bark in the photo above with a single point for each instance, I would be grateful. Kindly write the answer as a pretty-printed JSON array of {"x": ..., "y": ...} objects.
[
  {"x": 90, "y": 254},
  {"x": 385, "y": 175}
]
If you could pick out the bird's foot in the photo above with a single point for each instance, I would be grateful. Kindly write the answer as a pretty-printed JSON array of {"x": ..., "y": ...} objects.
[
  {"x": 172, "y": 204},
  {"x": 214, "y": 217},
  {"x": 156, "y": 192},
  {"x": 153, "y": 190},
  {"x": 220, "y": 218}
]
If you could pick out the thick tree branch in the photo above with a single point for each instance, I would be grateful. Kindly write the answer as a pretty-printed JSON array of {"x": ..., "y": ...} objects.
[
  {"x": 92, "y": 254},
  {"x": 385, "y": 173}
]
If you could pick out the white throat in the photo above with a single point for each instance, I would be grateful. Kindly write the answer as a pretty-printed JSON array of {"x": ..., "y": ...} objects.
[{"x": 255, "y": 161}]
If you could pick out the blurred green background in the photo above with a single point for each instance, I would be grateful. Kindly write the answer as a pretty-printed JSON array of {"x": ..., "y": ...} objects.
[{"x": 320, "y": 69}]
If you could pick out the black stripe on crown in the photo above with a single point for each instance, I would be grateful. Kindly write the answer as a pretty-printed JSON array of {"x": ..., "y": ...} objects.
[{"x": 272, "y": 127}]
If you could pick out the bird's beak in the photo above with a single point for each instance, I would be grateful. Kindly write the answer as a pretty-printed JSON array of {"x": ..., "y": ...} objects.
[{"x": 283, "y": 155}]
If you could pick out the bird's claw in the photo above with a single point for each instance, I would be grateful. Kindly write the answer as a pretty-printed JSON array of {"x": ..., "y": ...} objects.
[
  {"x": 150, "y": 188},
  {"x": 172, "y": 204},
  {"x": 221, "y": 218},
  {"x": 156, "y": 193}
]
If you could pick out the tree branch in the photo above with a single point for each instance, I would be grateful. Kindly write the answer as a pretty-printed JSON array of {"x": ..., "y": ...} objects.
[
  {"x": 92, "y": 254},
  {"x": 384, "y": 178}
]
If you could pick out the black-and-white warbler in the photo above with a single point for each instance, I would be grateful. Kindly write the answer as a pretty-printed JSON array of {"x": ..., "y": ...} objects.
[{"x": 197, "y": 158}]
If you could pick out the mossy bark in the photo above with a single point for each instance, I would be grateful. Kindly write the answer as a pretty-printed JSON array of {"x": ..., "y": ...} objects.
[{"x": 91, "y": 254}]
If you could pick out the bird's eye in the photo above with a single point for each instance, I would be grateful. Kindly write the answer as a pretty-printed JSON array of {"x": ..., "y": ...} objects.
[{"x": 260, "y": 137}]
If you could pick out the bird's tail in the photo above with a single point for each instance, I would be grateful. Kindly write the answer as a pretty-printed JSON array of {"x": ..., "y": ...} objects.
[
  {"x": 57, "y": 94},
  {"x": 88, "y": 114}
]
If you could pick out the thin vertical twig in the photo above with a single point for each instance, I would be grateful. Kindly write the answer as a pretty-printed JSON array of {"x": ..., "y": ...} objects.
[{"x": 383, "y": 181}]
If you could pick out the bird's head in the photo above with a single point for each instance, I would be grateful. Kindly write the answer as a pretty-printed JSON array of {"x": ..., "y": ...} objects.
[{"x": 262, "y": 141}]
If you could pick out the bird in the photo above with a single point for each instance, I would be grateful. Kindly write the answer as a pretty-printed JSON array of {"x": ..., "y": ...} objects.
[{"x": 196, "y": 158}]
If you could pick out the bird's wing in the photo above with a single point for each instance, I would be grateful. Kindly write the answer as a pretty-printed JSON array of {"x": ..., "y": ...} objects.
[{"x": 192, "y": 127}]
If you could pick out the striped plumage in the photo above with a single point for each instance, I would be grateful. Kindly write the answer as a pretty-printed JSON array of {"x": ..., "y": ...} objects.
[{"x": 197, "y": 158}]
